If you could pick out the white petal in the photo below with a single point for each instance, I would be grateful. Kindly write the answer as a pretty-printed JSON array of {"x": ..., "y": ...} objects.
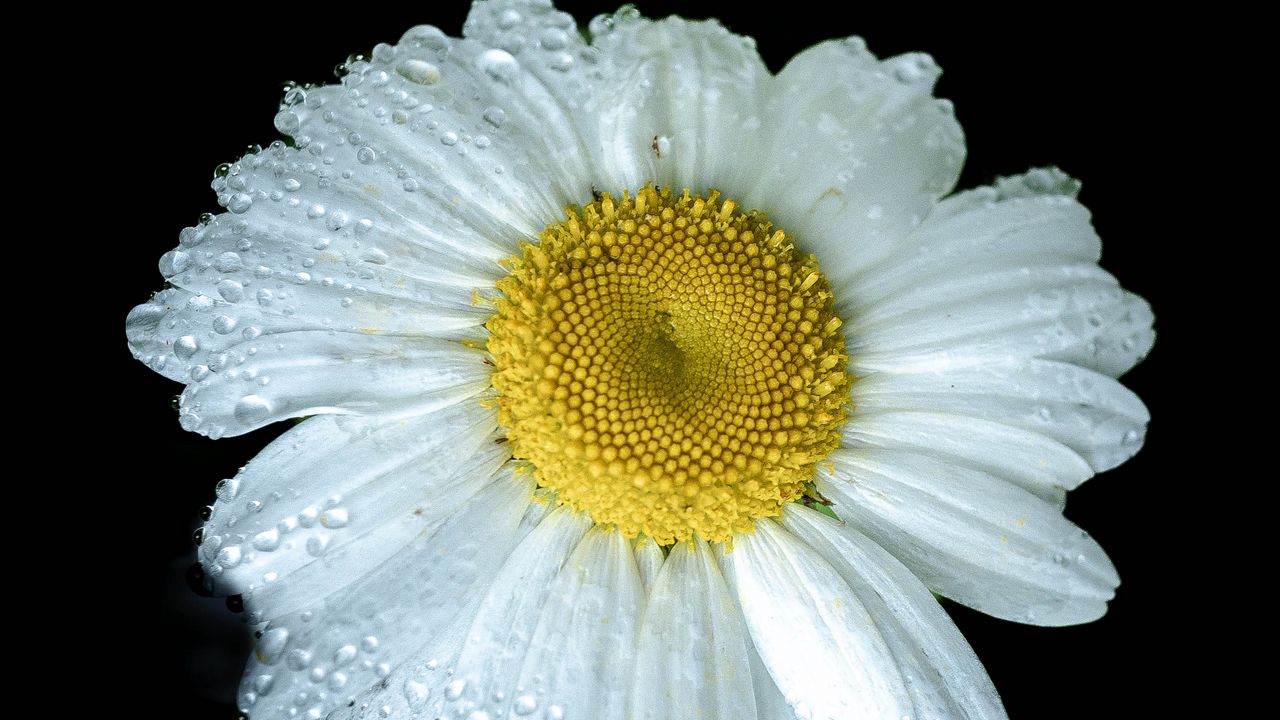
[
  {"x": 1008, "y": 270},
  {"x": 1090, "y": 413},
  {"x": 1029, "y": 460},
  {"x": 944, "y": 677},
  {"x": 324, "y": 656},
  {"x": 649, "y": 560},
  {"x": 815, "y": 637},
  {"x": 475, "y": 140},
  {"x": 770, "y": 704},
  {"x": 976, "y": 539},
  {"x": 693, "y": 659},
  {"x": 314, "y": 372},
  {"x": 858, "y": 152},
  {"x": 330, "y": 499},
  {"x": 678, "y": 104},
  {"x": 499, "y": 639},
  {"x": 1066, "y": 312},
  {"x": 335, "y": 253},
  {"x": 1007, "y": 233},
  {"x": 583, "y": 651}
]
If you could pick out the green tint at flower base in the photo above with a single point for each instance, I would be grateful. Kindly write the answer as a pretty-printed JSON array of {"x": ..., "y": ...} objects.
[{"x": 669, "y": 364}]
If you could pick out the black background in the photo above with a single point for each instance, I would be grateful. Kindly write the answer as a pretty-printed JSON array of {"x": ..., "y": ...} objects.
[{"x": 1090, "y": 95}]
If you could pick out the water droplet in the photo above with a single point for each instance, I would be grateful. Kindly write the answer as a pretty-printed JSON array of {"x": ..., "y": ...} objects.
[
  {"x": 185, "y": 346},
  {"x": 453, "y": 690},
  {"x": 1131, "y": 438},
  {"x": 366, "y": 155},
  {"x": 271, "y": 644},
  {"x": 419, "y": 71},
  {"x": 252, "y": 409},
  {"x": 227, "y": 490},
  {"x": 174, "y": 262},
  {"x": 369, "y": 643},
  {"x": 495, "y": 116},
  {"x": 449, "y": 139},
  {"x": 263, "y": 684},
  {"x": 231, "y": 291},
  {"x": 335, "y": 518},
  {"x": 344, "y": 655},
  {"x": 291, "y": 184},
  {"x": 228, "y": 262},
  {"x": 508, "y": 19},
  {"x": 298, "y": 659},
  {"x": 229, "y": 557},
  {"x": 554, "y": 39},
  {"x": 240, "y": 203},
  {"x": 267, "y": 540},
  {"x": 317, "y": 545},
  {"x": 315, "y": 211},
  {"x": 337, "y": 680},
  {"x": 415, "y": 692},
  {"x": 287, "y": 122},
  {"x": 525, "y": 705},
  {"x": 499, "y": 65},
  {"x": 561, "y": 62},
  {"x": 224, "y": 324},
  {"x": 555, "y": 712}
]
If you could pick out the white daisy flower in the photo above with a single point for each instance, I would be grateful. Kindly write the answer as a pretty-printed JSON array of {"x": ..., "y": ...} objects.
[{"x": 701, "y": 445}]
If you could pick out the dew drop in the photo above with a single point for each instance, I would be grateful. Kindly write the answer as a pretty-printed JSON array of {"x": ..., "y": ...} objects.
[
  {"x": 271, "y": 644},
  {"x": 227, "y": 490},
  {"x": 240, "y": 203},
  {"x": 453, "y": 690},
  {"x": 344, "y": 655},
  {"x": 335, "y": 518},
  {"x": 495, "y": 116},
  {"x": 287, "y": 122},
  {"x": 230, "y": 556},
  {"x": 252, "y": 409},
  {"x": 415, "y": 692},
  {"x": 317, "y": 545},
  {"x": 224, "y": 324},
  {"x": 366, "y": 155},
  {"x": 525, "y": 705},
  {"x": 266, "y": 541},
  {"x": 185, "y": 346},
  {"x": 554, "y": 39},
  {"x": 419, "y": 71},
  {"x": 499, "y": 65}
]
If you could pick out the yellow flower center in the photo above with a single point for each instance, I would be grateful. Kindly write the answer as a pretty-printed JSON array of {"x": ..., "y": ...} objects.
[{"x": 669, "y": 364}]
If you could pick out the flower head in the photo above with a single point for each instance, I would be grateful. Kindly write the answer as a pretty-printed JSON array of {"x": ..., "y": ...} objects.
[{"x": 640, "y": 382}]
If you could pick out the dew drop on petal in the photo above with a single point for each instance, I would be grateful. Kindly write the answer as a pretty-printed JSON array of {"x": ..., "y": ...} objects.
[
  {"x": 525, "y": 705},
  {"x": 266, "y": 541},
  {"x": 499, "y": 65},
  {"x": 252, "y": 409},
  {"x": 495, "y": 116},
  {"x": 240, "y": 203},
  {"x": 344, "y": 655},
  {"x": 415, "y": 692},
  {"x": 366, "y": 155},
  {"x": 286, "y": 121},
  {"x": 419, "y": 71},
  {"x": 335, "y": 518},
  {"x": 185, "y": 346}
]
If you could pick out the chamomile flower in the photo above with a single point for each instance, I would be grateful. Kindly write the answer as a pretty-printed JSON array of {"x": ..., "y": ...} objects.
[{"x": 641, "y": 383}]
